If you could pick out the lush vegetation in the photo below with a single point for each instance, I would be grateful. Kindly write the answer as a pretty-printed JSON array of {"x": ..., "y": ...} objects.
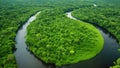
[
  {"x": 108, "y": 18},
  {"x": 14, "y": 13},
  {"x": 116, "y": 63},
  {"x": 54, "y": 38},
  {"x": 11, "y": 18},
  {"x": 8, "y": 33}
]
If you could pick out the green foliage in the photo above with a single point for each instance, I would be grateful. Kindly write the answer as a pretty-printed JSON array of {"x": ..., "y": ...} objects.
[
  {"x": 14, "y": 13},
  {"x": 106, "y": 17},
  {"x": 11, "y": 18},
  {"x": 54, "y": 38},
  {"x": 116, "y": 64}
]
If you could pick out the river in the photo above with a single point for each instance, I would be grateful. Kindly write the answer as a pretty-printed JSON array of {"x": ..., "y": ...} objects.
[
  {"x": 104, "y": 59},
  {"x": 23, "y": 57}
]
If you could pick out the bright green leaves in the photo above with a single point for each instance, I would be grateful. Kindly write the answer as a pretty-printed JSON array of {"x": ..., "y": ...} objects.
[
  {"x": 60, "y": 40},
  {"x": 11, "y": 19},
  {"x": 106, "y": 17},
  {"x": 72, "y": 51}
]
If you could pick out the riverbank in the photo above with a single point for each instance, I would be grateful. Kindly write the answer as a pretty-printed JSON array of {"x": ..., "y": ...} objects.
[
  {"x": 101, "y": 17},
  {"x": 63, "y": 41},
  {"x": 24, "y": 58}
]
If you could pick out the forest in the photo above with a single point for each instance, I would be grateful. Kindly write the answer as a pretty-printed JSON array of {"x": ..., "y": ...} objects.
[
  {"x": 106, "y": 17},
  {"x": 53, "y": 37},
  {"x": 56, "y": 38}
]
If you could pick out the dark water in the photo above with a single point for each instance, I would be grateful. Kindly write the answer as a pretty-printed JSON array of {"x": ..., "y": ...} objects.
[
  {"x": 103, "y": 60},
  {"x": 23, "y": 57}
]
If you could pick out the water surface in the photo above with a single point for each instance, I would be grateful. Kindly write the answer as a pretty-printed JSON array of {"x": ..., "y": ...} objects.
[
  {"x": 23, "y": 57},
  {"x": 103, "y": 60}
]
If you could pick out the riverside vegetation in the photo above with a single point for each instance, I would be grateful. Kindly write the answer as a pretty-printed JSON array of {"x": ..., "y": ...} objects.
[
  {"x": 104, "y": 16},
  {"x": 60, "y": 40},
  {"x": 11, "y": 18},
  {"x": 14, "y": 13},
  {"x": 107, "y": 18},
  {"x": 15, "y": 18}
]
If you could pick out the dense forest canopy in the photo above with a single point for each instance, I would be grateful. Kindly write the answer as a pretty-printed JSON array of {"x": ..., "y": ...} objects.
[
  {"x": 60, "y": 40},
  {"x": 14, "y": 13}
]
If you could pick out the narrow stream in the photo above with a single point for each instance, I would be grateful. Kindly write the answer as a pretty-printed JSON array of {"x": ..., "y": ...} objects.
[
  {"x": 23, "y": 57},
  {"x": 105, "y": 58}
]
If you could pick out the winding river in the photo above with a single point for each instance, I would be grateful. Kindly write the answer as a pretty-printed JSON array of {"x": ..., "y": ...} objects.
[
  {"x": 105, "y": 58},
  {"x": 27, "y": 60},
  {"x": 23, "y": 57}
]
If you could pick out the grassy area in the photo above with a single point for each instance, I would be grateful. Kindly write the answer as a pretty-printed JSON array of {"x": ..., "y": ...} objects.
[{"x": 56, "y": 39}]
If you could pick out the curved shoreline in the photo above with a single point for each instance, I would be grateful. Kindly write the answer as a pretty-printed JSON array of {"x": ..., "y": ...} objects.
[
  {"x": 23, "y": 56},
  {"x": 110, "y": 48},
  {"x": 102, "y": 28},
  {"x": 99, "y": 27},
  {"x": 78, "y": 65},
  {"x": 69, "y": 15}
]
